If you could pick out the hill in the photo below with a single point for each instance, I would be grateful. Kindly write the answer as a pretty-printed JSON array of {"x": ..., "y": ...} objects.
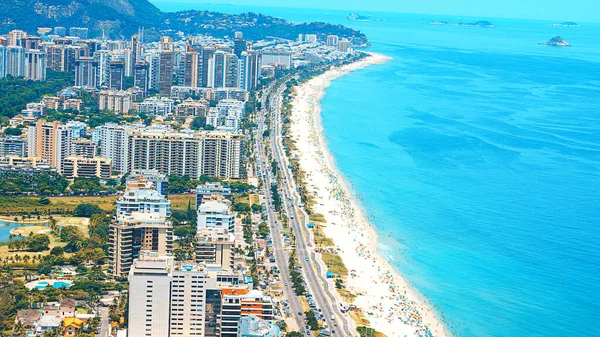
[{"x": 121, "y": 18}]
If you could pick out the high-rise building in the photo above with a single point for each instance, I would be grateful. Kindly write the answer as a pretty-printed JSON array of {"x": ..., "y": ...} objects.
[
  {"x": 191, "y": 78},
  {"x": 30, "y": 42},
  {"x": 310, "y": 38},
  {"x": 86, "y": 74},
  {"x": 15, "y": 61},
  {"x": 103, "y": 58},
  {"x": 13, "y": 145},
  {"x": 14, "y": 37},
  {"x": 207, "y": 73},
  {"x": 62, "y": 146},
  {"x": 209, "y": 189},
  {"x": 153, "y": 70},
  {"x": 217, "y": 154},
  {"x": 143, "y": 199},
  {"x": 114, "y": 145},
  {"x": 166, "y": 66},
  {"x": 249, "y": 70},
  {"x": 81, "y": 167},
  {"x": 80, "y": 32},
  {"x": 131, "y": 234},
  {"x": 159, "y": 181},
  {"x": 117, "y": 101},
  {"x": 215, "y": 214},
  {"x": 128, "y": 62},
  {"x": 2, "y": 61},
  {"x": 168, "y": 299},
  {"x": 242, "y": 302},
  {"x": 78, "y": 129},
  {"x": 344, "y": 46},
  {"x": 141, "y": 76},
  {"x": 35, "y": 65},
  {"x": 239, "y": 45},
  {"x": 60, "y": 31},
  {"x": 223, "y": 70},
  {"x": 215, "y": 246},
  {"x": 332, "y": 41},
  {"x": 117, "y": 73},
  {"x": 276, "y": 58},
  {"x": 85, "y": 148}
]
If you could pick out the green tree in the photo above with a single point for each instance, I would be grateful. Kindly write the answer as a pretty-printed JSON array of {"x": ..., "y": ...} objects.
[
  {"x": 198, "y": 123},
  {"x": 38, "y": 242},
  {"x": 87, "y": 210}
]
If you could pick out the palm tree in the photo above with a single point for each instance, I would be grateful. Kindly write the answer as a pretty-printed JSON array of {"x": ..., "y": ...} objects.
[{"x": 19, "y": 329}]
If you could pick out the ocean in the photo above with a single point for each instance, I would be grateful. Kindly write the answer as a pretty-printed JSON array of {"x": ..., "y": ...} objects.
[{"x": 476, "y": 154}]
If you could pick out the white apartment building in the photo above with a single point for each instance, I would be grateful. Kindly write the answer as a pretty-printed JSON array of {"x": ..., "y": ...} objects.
[
  {"x": 215, "y": 214},
  {"x": 168, "y": 299},
  {"x": 155, "y": 106},
  {"x": 144, "y": 200},
  {"x": 117, "y": 101},
  {"x": 113, "y": 140},
  {"x": 216, "y": 154}
]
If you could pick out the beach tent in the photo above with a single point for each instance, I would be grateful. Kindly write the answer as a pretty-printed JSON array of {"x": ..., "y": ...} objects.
[{"x": 311, "y": 225}]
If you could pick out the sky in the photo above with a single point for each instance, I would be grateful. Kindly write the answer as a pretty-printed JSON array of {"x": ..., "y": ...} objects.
[{"x": 562, "y": 10}]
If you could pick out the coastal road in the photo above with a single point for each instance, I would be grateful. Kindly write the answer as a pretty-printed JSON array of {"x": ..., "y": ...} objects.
[
  {"x": 281, "y": 257},
  {"x": 313, "y": 271}
]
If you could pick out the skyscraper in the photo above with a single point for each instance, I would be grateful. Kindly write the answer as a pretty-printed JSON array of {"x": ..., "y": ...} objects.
[
  {"x": 86, "y": 72},
  {"x": 117, "y": 72},
  {"x": 249, "y": 70},
  {"x": 80, "y": 32},
  {"x": 332, "y": 41},
  {"x": 140, "y": 76},
  {"x": 35, "y": 65},
  {"x": 191, "y": 69},
  {"x": 165, "y": 78},
  {"x": 239, "y": 45},
  {"x": 15, "y": 61},
  {"x": 2, "y": 61},
  {"x": 225, "y": 70},
  {"x": 168, "y": 299},
  {"x": 130, "y": 234}
]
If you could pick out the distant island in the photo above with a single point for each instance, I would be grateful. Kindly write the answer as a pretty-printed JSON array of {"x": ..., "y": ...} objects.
[
  {"x": 566, "y": 24},
  {"x": 358, "y": 17},
  {"x": 557, "y": 41},
  {"x": 483, "y": 24}
]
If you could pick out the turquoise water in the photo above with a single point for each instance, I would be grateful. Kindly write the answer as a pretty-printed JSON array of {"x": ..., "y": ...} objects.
[
  {"x": 476, "y": 153},
  {"x": 5, "y": 229}
]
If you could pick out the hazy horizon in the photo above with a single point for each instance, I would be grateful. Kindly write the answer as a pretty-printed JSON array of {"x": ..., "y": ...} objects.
[{"x": 554, "y": 10}]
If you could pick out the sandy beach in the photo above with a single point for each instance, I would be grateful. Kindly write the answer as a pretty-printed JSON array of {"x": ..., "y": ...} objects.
[{"x": 386, "y": 299}]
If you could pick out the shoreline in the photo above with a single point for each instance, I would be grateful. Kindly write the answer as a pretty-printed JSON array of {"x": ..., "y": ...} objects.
[{"x": 391, "y": 305}]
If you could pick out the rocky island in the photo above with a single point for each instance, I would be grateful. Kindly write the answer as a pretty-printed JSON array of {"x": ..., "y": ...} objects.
[
  {"x": 483, "y": 24},
  {"x": 358, "y": 17},
  {"x": 557, "y": 41},
  {"x": 566, "y": 24}
]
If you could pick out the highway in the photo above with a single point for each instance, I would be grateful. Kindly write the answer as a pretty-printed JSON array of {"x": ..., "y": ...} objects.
[
  {"x": 281, "y": 257},
  {"x": 313, "y": 270}
]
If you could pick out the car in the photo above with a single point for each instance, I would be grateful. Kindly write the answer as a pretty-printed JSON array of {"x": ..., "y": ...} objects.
[
  {"x": 286, "y": 284},
  {"x": 306, "y": 258},
  {"x": 299, "y": 313}
]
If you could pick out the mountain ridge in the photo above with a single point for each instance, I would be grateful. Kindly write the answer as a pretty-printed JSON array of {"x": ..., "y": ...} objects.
[{"x": 122, "y": 18}]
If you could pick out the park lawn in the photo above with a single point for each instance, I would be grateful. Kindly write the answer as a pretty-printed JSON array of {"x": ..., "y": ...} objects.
[
  {"x": 181, "y": 201},
  {"x": 27, "y": 204},
  {"x": 254, "y": 199},
  {"x": 107, "y": 203},
  {"x": 81, "y": 223}
]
